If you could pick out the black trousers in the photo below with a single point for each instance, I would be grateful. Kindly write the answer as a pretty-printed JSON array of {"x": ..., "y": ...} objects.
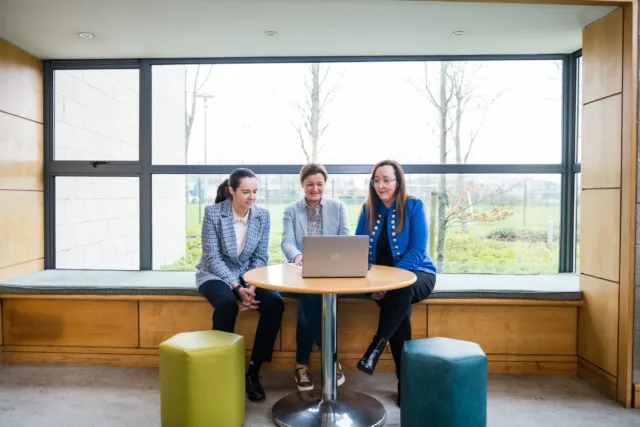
[
  {"x": 225, "y": 311},
  {"x": 394, "y": 322}
]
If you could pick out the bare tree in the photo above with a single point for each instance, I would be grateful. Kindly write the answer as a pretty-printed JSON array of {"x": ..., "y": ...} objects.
[
  {"x": 457, "y": 97},
  {"x": 199, "y": 80},
  {"x": 442, "y": 104},
  {"x": 467, "y": 100},
  {"x": 310, "y": 128}
]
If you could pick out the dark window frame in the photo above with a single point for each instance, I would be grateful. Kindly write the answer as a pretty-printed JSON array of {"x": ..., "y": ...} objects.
[{"x": 144, "y": 169}]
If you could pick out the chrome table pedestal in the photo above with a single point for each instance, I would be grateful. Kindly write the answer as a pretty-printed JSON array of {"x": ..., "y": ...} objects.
[{"x": 325, "y": 409}]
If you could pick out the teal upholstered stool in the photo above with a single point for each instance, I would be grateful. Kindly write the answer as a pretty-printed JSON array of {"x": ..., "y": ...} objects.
[{"x": 443, "y": 384}]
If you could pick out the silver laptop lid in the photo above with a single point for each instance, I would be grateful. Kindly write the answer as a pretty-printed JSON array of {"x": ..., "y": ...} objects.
[{"x": 335, "y": 256}]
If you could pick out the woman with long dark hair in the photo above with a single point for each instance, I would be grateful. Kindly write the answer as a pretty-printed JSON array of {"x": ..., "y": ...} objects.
[
  {"x": 235, "y": 239},
  {"x": 396, "y": 224}
]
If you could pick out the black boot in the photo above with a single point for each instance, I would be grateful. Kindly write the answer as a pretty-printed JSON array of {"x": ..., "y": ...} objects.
[
  {"x": 399, "y": 393},
  {"x": 370, "y": 359},
  {"x": 255, "y": 392}
]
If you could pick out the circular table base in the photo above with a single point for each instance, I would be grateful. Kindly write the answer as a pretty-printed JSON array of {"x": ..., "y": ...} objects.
[{"x": 308, "y": 409}]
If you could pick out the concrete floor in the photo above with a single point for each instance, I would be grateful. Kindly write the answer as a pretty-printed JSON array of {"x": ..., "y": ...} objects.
[{"x": 117, "y": 397}]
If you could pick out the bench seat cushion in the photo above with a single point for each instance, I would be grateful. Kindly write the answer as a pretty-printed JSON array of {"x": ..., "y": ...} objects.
[{"x": 553, "y": 287}]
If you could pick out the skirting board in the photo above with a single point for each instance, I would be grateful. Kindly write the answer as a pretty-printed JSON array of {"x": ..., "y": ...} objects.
[
  {"x": 595, "y": 376},
  {"x": 282, "y": 361},
  {"x": 636, "y": 395}
]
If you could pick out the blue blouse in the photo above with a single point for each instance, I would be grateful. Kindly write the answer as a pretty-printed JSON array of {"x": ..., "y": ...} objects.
[{"x": 409, "y": 248}]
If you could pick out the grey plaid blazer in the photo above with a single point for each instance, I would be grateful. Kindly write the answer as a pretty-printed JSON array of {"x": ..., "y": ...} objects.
[
  {"x": 294, "y": 224},
  {"x": 220, "y": 260}
]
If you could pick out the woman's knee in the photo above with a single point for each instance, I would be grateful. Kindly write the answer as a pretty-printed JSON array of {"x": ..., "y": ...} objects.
[
  {"x": 271, "y": 301},
  {"x": 227, "y": 304},
  {"x": 423, "y": 287},
  {"x": 399, "y": 295}
]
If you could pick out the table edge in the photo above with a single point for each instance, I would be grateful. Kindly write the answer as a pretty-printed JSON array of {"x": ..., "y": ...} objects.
[{"x": 372, "y": 289}]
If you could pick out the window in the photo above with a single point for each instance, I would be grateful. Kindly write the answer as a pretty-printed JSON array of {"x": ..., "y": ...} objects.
[
  {"x": 491, "y": 223},
  {"x": 505, "y": 224},
  {"x": 179, "y": 202},
  {"x": 486, "y": 157},
  {"x": 96, "y": 114},
  {"x": 358, "y": 112},
  {"x": 97, "y": 223}
]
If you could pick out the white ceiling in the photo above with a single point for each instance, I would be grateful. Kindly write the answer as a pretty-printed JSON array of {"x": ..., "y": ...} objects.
[{"x": 213, "y": 28}]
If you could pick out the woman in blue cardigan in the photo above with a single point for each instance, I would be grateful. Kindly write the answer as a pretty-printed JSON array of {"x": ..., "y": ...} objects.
[{"x": 397, "y": 228}]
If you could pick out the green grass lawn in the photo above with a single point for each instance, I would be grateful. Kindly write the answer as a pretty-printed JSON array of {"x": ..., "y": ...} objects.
[
  {"x": 194, "y": 226},
  {"x": 470, "y": 252},
  {"x": 534, "y": 217}
]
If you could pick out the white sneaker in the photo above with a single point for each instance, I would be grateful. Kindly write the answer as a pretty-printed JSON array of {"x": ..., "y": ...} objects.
[
  {"x": 340, "y": 376},
  {"x": 303, "y": 379}
]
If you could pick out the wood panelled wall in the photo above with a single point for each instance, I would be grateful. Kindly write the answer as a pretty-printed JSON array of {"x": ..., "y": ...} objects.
[
  {"x": 518, "y": 336},
  {"x": 21, "y": 163},
  {"x": 607, "y": 210}
]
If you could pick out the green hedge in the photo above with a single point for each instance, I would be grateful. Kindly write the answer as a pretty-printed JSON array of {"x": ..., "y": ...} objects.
[{"x": 463, "y": 254}]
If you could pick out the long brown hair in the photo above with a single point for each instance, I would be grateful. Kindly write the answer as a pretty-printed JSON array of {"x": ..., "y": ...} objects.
[{"x": 373, "y": 200}]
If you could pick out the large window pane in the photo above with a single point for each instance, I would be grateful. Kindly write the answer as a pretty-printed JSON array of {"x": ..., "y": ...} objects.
[
  {"x": 490, "y": 223},
  {"x": 489, "y": 111},
  {"x": 96, "y": 114},
  {"x": 506, "y": 224},
  {"x": 97, "y": 223},
  {"x": 179, "y": 202}
]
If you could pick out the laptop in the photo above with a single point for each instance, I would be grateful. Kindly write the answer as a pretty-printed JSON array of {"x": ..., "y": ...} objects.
[{"x": 335, "y": 256}]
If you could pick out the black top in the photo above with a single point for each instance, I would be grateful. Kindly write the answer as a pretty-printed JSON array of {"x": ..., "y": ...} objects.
[{"x": 384, "y": 256}]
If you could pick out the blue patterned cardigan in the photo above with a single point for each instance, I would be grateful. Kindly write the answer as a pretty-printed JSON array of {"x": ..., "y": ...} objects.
[{"x": 220, "y": 260}]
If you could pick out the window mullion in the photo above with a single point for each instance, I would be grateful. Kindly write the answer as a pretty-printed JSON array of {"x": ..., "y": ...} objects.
[
  {"x": 567, "y": 207},
  {"x": 146, "y": 149}
]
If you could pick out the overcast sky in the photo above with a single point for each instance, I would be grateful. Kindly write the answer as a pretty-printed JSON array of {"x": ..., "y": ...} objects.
[{"x": 378, "y": 110}]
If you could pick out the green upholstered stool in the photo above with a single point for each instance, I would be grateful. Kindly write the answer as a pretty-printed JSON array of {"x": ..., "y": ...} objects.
[
  {"x": 443, "y": 384},
  {"x": 202, "y": 381}
]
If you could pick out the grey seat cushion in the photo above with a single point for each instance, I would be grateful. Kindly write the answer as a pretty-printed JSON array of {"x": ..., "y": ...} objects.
[{"x": 553, "y": 287}]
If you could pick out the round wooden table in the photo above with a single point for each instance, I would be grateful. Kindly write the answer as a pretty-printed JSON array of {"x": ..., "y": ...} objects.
[{"x": 324, "y": 408}]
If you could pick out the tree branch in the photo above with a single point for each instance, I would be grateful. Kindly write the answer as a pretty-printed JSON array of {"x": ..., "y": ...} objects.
[
  {"x": 328, "y": 98},
  {"x": 430, "y": 96},
  {"x": 447, "y": 69},
  {"x": 190, "y": 115},
  {"x": 301, "y": 111},
  {"x": 205, "y": 79},
  {"x": 326, "y": 74},
  {"x": 302, "y": 142},
  {"x": 458, "y": 212},
  {"x": 321, "y": 131}
]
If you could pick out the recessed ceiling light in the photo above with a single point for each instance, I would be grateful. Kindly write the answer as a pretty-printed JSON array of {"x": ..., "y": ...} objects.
[
  {"x": 270, "y": 33},
  {"x": 457, "y": 33},
  {"x": 85, "y": 35}
]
